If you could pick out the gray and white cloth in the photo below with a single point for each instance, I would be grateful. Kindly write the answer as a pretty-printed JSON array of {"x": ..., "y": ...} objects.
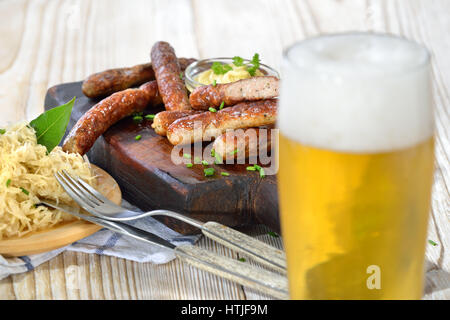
[{"x": 106, "y": 242}]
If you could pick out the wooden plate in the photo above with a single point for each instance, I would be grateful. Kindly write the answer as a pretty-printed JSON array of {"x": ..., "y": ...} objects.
[{"x": 63, "y": 234}]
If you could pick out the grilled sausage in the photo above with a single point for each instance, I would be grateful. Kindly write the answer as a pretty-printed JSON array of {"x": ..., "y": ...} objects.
[
  {"x": 251, "y": 89},
  {"x": 164, "y": 119},
  {"x": 206, "y": 125},
  {"x": 109, "y": 81},
  {"x": 243, "y": 143},
  {"x": 167, "y": 73},
  {"x": 106, "y": 113}
]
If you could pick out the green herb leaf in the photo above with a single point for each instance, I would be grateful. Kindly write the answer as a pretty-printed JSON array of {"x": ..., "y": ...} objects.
[
  {"x": 2, "y": 131},
  {"x": 137, "y": 118},
  {"x": 273, "y": 234},
  {"x": 186, "y": 155},
  {"x": 238, "y": 61},
  {"x": 222, "y": 104},
  {"x": 8, "y": 182},
  {"x": 189, "y": 165},
  {"x": 432, "y": 243},
  {"x": 24, "y": 191},
  {"x": 150, "y": 116},
  {"x": 226, "y": 174},
  {"x": 138, "y": 137},
  {"x": 218, "y": 159},
  {"x": 252, "y": 168},
  {"x": 234, "y": 152},
  {"x": 242, "y": 259},
  {"x": 212, "y": 109},
  {"x": 213, "y": 153},
  {"x": 257, "y": 167},
  {"x": 219, "y": 68},
  {"x": 262, "y": 173},
  {"x": 205, "y": 163},
  {"x": 52, "y": 124},
  {"x": 214, "y": 83},
  {"x": 255, "y": 65},
  {"x": 197, "y": 160},
  {"x": 209, "y": 171},
  {"x": 181, "y": 75}
]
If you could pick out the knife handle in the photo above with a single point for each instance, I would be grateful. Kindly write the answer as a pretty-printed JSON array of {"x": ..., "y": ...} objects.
[
  {"x": 265, "y": 254},
  {"x": 243, "y": 273}
]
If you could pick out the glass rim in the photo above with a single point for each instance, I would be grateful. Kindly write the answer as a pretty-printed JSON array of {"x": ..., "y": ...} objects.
[
  {"x": 426, "y": 61},
  {"x": 189, "y": 77}
]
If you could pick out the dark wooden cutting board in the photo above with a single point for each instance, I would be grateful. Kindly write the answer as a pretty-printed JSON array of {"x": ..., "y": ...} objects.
[{"x": 149, "y": 179}]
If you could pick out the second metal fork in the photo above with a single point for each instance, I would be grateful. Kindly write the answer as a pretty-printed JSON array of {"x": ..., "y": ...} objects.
[{"x": 95, "y": 203}]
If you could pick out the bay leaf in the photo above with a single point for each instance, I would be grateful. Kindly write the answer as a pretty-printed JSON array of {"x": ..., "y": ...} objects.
[{"x": 51, "y": 125}]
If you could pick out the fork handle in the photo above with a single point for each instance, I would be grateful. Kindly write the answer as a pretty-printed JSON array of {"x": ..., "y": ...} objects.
[
  {"x": 263, "y": 253},
  {"x": 243, "y": 273}
]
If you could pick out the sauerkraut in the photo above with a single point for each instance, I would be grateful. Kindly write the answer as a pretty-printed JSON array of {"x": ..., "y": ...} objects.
[{"x": 27, "y": 175}]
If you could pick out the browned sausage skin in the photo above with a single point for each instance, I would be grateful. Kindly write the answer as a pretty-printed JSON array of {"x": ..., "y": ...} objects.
[
  {"x": 167, "y": 73},
  {"x": 107, "y": 112},
  {"x": 243, "y": 143},
  {"x": 213, "y": 124},
  {"x": 252, "y": 89},
  {"x": 113, "y": 80},
  {"x": 164, "y": 119}
]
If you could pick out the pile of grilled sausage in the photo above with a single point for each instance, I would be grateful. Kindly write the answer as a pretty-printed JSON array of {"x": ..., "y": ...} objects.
[{"x": 247, "y": 103}]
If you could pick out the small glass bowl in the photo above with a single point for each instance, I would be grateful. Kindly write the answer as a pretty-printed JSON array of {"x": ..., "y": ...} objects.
[{"x": 195, "y": 68}]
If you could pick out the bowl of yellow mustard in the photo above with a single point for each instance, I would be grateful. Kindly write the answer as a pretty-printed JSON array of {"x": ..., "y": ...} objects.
[{"x": 224, "y": 70}]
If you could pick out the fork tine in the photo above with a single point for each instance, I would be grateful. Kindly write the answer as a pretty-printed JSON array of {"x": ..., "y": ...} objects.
[
  {"x": 95, "y": 193},
  {"x": 71, "y": 191},
  {"x": 80, "y": 190}
]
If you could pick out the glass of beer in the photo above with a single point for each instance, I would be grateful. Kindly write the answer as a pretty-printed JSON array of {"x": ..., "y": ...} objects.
[{"x": 356, "y": 156}]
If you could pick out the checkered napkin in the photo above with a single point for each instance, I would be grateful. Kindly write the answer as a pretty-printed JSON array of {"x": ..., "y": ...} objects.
[{"x": 106, "y": 242}]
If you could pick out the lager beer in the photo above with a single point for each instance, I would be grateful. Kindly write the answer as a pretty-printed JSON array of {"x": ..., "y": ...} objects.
[{"x": 356, "y": 166}]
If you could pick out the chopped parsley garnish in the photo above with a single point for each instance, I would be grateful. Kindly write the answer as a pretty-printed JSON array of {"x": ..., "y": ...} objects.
[
  {"x": 273, "y": 234},
  {"x": 205, "y": 163},
  {"x": 137, "y": 118},
  {"x": 186, "y": 155},
  {"x": 214, "y": 83},
  {"x": 213, "y": 153},
  {"x": 209, "y": 172},
  {"x": 197, "y": 160},
  {"x": 212, "y": 109},
  {"x": 219, "y": 68},
  {"x": 238, "y": 61},
  {"x": 234, "y": 151},
  {"x": 242, "y": 259},
  {"x": 24, "y": 191},
  {"x": 189, "y": 165},
  {"x": 2, "y": 131},
  {"x": 222, "y": 104},
  {"x": 226, "y": 174},
  {"x": 262, "y": 173},
  {"x": 181, "y": 75},
  {"x": 255, "y": 167},
  {"x": 8, "y": 182},
  {"x": 432, "y": 243},
  {"x": 255, "y": 65},
  {"x": 138, "y": 137},
  {"x": 150, "y": 116}
]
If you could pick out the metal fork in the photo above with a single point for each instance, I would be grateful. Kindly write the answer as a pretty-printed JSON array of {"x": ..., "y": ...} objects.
[{"x": 95, "y": 203}]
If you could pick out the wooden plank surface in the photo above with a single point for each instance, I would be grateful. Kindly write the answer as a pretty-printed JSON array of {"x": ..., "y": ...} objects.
[{"x": 44, "y": 43}]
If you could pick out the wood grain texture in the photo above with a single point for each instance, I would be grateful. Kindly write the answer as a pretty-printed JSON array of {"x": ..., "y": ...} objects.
[{"x": 44, "y": 43}]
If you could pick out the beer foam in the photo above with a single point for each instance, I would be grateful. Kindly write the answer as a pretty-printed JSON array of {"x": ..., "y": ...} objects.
[{"x": 356, "y": 92}]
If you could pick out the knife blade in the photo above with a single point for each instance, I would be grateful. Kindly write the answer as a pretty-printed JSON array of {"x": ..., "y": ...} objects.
[{"x": 115, "y": 226}]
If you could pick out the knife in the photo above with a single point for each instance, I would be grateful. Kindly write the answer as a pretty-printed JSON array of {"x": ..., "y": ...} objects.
[{"x": 268, "y": 282}]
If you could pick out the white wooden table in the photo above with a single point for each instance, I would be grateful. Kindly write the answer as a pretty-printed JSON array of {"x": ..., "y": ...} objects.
[{"x": 44, "y": 43}]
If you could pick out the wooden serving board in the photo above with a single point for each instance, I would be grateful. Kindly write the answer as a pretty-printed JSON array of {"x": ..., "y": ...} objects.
[
  {"x": 149, "y": 179},
  {"x": 61, "y": 234}
]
